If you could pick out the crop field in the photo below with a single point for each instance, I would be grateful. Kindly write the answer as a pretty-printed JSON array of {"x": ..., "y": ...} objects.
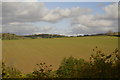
[{"x": 25, "y": 54}]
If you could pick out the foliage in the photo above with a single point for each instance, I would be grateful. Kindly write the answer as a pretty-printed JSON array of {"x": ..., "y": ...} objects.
[
  {"x": 8, "y": 36},
  {"x": 10, "y": 72},
  {"x": 42, "y": 71},
  {"x": 70, "y": 67},
  {"x": 100, "y": 65},
  {"x": 45, "y": 36},
  {"x": 103, "y": 65}
]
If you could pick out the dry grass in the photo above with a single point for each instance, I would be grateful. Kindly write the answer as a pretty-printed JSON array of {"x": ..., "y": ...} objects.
[{"x": 24, "y": 54}]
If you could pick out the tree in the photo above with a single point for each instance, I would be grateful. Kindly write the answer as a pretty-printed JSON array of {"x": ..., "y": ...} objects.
[
  {"x": 110, "y": 32},
  {"x": 70, "y": 68}
]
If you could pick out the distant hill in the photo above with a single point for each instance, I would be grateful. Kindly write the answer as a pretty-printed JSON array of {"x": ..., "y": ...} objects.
[{"x": 9, "y": 36}]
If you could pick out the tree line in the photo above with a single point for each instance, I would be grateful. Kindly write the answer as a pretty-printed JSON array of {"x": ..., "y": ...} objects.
[
  {"x": 9, "y": 36},
  {"x": 45, "y": 36}
]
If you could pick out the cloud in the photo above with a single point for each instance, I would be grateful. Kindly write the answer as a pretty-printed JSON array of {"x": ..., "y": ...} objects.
[
  {"x": 36, "y": 12},
  {"x": 111, "y": 12},
  {"x": 18, "y": 19},
  {"x": 56, "y": 14},
  {"x": 25, "y": 28},
  {"x": 23, "y": 12},
  {"x": 96, "y": 23},
  {"x": 91, "y": 21},
  {"x": 82, "y": 29}
]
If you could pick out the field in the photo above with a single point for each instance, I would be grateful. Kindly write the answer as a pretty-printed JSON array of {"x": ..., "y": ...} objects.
[{"x": 25, "y": 54}]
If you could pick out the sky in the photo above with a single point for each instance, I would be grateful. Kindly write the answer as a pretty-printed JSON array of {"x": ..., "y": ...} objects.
[{"x": 66, "y": 18}]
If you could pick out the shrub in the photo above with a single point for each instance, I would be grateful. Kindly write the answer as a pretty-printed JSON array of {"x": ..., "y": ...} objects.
[
  {"x": 100, "y": 65},
  {"x": 70, "y": 67},
  {"x": 10, "y": 72},
  {"x": 42, "y": 71}
]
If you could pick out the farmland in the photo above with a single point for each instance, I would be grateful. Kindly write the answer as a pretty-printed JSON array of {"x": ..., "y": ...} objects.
[{"x": 24, "y": 54}]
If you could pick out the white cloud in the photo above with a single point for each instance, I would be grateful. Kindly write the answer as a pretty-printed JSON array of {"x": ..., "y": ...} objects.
[
  {"x": 23, "y": 12},
  {"x": 97, "y": 23},
  {"x": 56, "y": 14},
  {"x": 25, "y": 28},
  {"x": 16, "y": 19},
  {"x": 35, "y": 12},
  {"x": 76, "y": 11},
  {"x": 91, "y": 21},
  {"x": 111, "y": 12}
]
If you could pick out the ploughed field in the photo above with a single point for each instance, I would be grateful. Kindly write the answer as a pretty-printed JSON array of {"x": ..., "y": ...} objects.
[{"x": 25, "y": 54}]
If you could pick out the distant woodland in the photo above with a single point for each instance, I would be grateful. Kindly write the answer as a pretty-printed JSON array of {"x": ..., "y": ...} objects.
[{"x": 9, "y": 36}]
